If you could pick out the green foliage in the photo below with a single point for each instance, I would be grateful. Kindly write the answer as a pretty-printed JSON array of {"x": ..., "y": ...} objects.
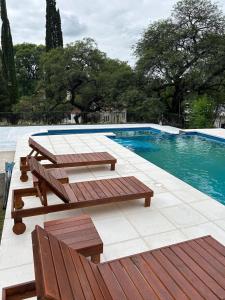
[
  {"x": 54, "y": 36},
  {"x": 202, "y": 113},
  {"x": 8, "y": 63},
  {"x": 83, "y": 72},
  {"x": 141, "y": 108},
  {"x": 184, "y": 54},
  {"x": 27, "y": 61},
  {"x": 4, "y": 95}
]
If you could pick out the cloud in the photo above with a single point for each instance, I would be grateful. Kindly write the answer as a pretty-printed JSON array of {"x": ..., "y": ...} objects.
[
  {"x": 116, "y": 25},
  {"x": 72, "y": 27}
]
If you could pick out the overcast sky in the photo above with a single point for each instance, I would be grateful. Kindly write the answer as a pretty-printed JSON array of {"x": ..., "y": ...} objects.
[{"x": 116, "y": 25}]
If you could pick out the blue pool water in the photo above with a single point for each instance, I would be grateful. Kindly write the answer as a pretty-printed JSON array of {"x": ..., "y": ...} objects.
[{"x": 195, "y": 159}]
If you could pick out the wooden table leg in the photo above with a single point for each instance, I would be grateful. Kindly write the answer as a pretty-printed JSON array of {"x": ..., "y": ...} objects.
[{"x": 95, "y": 258}]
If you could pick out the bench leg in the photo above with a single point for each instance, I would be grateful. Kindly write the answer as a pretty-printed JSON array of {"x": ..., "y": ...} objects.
[
  {"x": 19, "y": 227},
  {"x": 23, "y": 176},
  {"x": 147, "y": 202},
  {"x": 113, "y": 166},
  {"x": 95, "y": 258}
]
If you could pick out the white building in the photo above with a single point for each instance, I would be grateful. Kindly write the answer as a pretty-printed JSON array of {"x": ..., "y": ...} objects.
[
  {"x": 113, "y": 116},
  {"x": 220, "y": 120}
]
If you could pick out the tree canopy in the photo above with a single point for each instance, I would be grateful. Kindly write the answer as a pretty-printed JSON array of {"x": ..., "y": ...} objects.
[
  {"x": 184, "y": 55},
  {"x": 54, "y": 36},
  {"x": 7, "y": 56}
]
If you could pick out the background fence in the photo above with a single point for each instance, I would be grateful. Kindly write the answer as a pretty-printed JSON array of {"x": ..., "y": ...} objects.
[{"x": 65, "y": 118}]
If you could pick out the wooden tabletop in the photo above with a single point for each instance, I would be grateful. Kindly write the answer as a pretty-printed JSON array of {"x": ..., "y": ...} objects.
[{"x": 78, "y": 233}]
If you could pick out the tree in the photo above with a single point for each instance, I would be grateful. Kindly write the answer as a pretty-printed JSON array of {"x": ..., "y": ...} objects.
[
  {"x": 27, "y": 61},
  {"x": 184, "y": 54},
  {"x": 8, "y": 63},
  {"x": 54, "y": 37},
  {"x": 202, "y": 113},
  {"x": 4, "y": 96},
  {"x": 83, "y": 75}
]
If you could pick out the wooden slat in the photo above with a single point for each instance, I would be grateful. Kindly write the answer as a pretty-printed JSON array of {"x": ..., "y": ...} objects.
[
  {"x": 46, "y": 265},
  {"x": 60, "y": 269},
  {"x": 151, "y": 278},
  {"x": 43, "y": 151},
  {"x": 144, "y": 288},
  {"x": 176, "y": 275},
  {"x": 111, "y": 282},
  {"x": 101, "y": 283},
  {"x": 211, "y": 259},
  {"x": 126, "y": 283},
  {"x": 164, "y": 277},
  {"x": 91, "y": 278},
  {"x": 88, "y": 293},
  {"x": 201, "y": 268},
  {"x": 72, "y": 274},
  {"x": 89, "y": 188},
  {"x": 189, "y": 274}
]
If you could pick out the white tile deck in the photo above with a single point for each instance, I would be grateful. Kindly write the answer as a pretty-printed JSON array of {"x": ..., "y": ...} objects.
[{"x": 178, "y": 211}]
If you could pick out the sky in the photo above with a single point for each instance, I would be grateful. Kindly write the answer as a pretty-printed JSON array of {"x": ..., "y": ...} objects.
[{"x": 115, "y": 25}]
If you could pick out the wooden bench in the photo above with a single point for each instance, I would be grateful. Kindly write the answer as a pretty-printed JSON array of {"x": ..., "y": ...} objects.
[
  {"x": 193, "y": 269},
  {"x": 64, "y": 160},
  {"x": 74, "y": 195},
  {"x": 79, "y": 233}
]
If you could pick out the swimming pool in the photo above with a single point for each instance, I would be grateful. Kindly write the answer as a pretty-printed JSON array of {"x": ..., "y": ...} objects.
[{"x": 196, "y": 159}]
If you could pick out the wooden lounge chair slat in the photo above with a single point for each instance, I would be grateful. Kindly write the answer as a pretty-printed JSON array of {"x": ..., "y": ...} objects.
[
  {"x": 112, "y": 283},
  {"x": 92, "y": 191},
  {"x": 168, "y": 281},
  {"x": 110, "y": 189},
  {"x": 101, "y": 283},
  {"x": 123, "y": 186},
  {"x": 151, "y": 278},
  {"x": 97, "y": 189},
  {"x": 210, "y": 259},
  {"x": 88, "y": 293},
  {"x": 144, "y": 288},
  {"x": 189, "y": 274},
  {"x": 72, "y": 274},
  {"x": 43, "y": 151},
  {"x": 46, "y": 263},
  {"x": 91, "y": 278},
  {"x": 210, "y": 248},
  {"x": 83, "y": 191},
  {"x": 102, "y": 184},
  {"x": 201, "y": 270},
  {"x": 115, "y": 187},
  {"x": 60, "y": 269},
  {"x": 177, "y": 275},
  {"x": 139, "y": 184},
  {"x": 125, "y": 281},
  {"x": 129, "y": 185},
  {"x": 86, "y": 191},
  {"x": 216, "y": 245}
]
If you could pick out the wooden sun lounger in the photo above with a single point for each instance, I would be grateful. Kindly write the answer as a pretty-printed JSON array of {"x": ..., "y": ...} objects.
[
  {"x": 65, "y": 160},
  {"x": 193, "y": 269},
  {"x": 74, "y": 195}
]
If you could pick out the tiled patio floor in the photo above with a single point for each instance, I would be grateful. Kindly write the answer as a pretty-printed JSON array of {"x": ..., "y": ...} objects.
[{"x": 178, "y": 211}]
